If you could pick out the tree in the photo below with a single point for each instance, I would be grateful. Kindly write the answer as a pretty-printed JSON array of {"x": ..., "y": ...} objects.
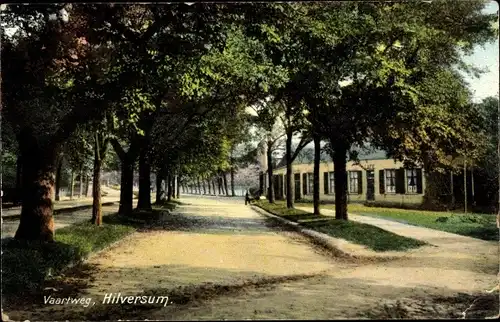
[{"x": 383, "y": 54}]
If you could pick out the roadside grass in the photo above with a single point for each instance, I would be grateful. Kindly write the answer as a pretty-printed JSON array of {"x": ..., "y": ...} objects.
[
  {"x": 372, "y": 237},
  {"x": 481, "y": 226},
  {"x": 26, "y": 265}
]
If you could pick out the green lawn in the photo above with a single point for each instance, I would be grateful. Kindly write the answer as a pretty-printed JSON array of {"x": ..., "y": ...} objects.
[
  {"x": 373, "y": 237},
  {"x": 26, "y": 265},
  {"x": 482, "y": 226}
]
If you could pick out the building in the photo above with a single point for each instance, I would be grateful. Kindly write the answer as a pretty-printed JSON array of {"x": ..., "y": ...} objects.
[{"x": 373, "y": 178}]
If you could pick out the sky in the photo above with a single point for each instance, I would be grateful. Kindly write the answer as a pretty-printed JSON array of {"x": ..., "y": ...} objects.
[{"x": 485, "y": 56}]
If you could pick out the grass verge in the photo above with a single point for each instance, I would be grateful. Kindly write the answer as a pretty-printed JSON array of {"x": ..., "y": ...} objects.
[
  {"x": 481, "y": 226},
  {"x": 372, "y": 237},
  {"x": 26, "y": 265}
]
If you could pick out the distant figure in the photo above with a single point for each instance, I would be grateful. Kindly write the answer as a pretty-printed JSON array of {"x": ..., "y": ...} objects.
[{"x": 247, "y": 198}]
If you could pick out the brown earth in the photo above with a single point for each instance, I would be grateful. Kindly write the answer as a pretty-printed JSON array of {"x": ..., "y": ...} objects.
[{"x": 218, "y": 259}]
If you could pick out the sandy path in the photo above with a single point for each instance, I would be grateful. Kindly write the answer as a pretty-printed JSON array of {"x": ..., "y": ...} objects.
[
  {"x": 455, "y": 252},
  {"x": 265, "y": 273}
]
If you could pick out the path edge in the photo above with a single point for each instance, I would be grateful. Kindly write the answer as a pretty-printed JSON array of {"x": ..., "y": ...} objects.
[{"x": 332, "y": 244}]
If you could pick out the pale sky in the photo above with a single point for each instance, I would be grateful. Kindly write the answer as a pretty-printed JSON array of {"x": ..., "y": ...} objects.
[{"x": 487, "y": 56}]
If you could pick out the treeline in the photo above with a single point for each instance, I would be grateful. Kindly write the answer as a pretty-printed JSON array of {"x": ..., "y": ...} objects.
[{"x": 169, "y": 87}]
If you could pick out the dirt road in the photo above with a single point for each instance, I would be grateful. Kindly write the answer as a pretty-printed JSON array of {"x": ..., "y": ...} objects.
[{"x": 217, "y": 259}]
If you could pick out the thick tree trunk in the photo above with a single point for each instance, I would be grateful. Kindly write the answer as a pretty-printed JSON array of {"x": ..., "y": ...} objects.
[
  {"x": 270, "y": 189},
  {"x": 219, "y": 184},
  {"x": 213, "y": 187},
  {"x": 224, "y": 177},
  {"x": 232, "y": 182},
  {"x": 96, "y": 191},
  {"x": 127, "y": 160},
  {"x": 126, "y": 186},
  {"x": 144, "y": 202},
  {"x": 288, "y": 156},
  {"x": 72, "y": 185},
  {"x": 317, "y": 158},
  {"x": 38, "y": 180},
  {"x": 340, "y": 165},
  {"x": 19, "y": 171},
  {"x": 209, "y": 186},
  {"x": 58, "y": 179},
  {"x": 172, "y": 183},
  {"x": 204, "y": 186},
  {"x": 169, "y": 187}
]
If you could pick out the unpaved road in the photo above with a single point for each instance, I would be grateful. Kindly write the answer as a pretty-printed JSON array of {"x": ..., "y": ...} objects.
[{"x": 218, "y": 259}]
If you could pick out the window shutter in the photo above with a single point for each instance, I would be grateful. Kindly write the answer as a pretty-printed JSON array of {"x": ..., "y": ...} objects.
[
  {"x": 419, "y": 181},
  {"x": 381, "y": 182},
  {"x": 326, "y": 182},
  {"x": 304, "y": 184},
  {"x": 400, "y": 181},
  {"x": 360, "y": 182}
]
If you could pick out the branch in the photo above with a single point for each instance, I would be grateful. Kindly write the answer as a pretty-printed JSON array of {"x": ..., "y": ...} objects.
[
  {"x": 118, "y": 149},
  {"x": 303, "y": 142}
]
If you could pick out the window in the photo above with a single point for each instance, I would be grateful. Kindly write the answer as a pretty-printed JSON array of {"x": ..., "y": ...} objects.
[
  {"x": 390, "y": 180},
  {"x": 310, "y": 183},
  {"x": 353, "y": 181},
  {"x": 332, "y": 183},
  {"x": 411, "y": 180}
]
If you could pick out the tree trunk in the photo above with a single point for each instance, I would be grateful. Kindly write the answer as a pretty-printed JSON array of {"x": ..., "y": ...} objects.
[
  {"x": 232, "y": 182},
  {"x": 127, "y": 160},
  {"x": 288, "y": 156},
  {"x": 198, "y": 185},
  {"x": 38, "y": 180},
  {"x": 126, "y": 186},
  {"x": 80, "y": 193},
  {"x": 96, "y": 186},
  {"x": 213, "y": 187},
  {"x": 160, "y": 193},
  {"x": 340, "y": 174},
  {"x": 317, "y": 158},
  {"x": 219, "y": 184},
  {"x": 172, "y": 183},
  {"x": 72, "y": 185},
  {"x": 178, "y": 186},
  {"x": 169, "y": 187},
  {"x": 465, "y": 186},
  {"x": 209, "y": 186},
  {"x": 270, "y": 189},
  {"x": 58, "y": 179},
  {"x": 204, "y": 187},
  {"x": 224, "y": 177},
  {"x": 86, "y": 190},
  {"x": 19, "y": 171},
  {"x": 452, "y": 191},
  {"x": 144, "y": 202}
]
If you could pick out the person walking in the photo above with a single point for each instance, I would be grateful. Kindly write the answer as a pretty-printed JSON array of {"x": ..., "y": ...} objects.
[{"x": 247, "y": 198}]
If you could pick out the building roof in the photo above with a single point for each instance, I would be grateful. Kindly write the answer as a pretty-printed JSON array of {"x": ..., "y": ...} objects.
[{"x": 306, "y": 156}]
